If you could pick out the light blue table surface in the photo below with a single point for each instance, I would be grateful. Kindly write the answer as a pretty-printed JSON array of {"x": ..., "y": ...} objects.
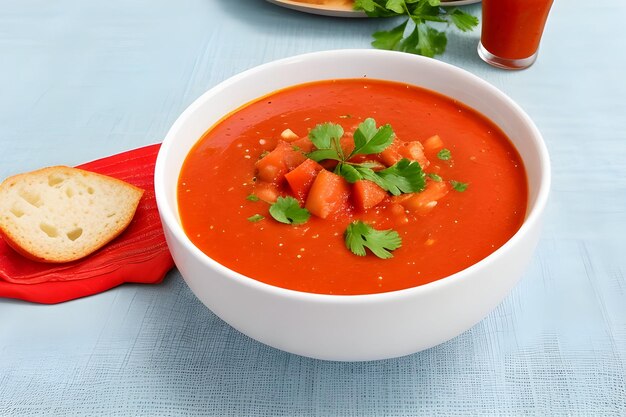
[{"x": 84, "y": 79}]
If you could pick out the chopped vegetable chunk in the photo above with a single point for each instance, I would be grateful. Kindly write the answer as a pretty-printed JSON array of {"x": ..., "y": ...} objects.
[
  {"x": 301, "y": 178},
  {"x": 366, "y": 194},
  {"x": 392, "y": 154},
  {"x": 266, "y": 191},
  {"x": 273, "y": 166},
  {"x": 329, "y": 193},
  {"x": 422, "y": 203},
  {"x": 414, "y": 151},
  {"x": 303, "y": 145},
  {"x": 433, "y": 144}
]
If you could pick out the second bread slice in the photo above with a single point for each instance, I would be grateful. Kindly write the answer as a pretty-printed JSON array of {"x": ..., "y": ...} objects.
[{"x": 61, "y": 214}]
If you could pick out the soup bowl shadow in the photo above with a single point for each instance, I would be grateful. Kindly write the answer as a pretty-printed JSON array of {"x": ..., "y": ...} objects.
[{"x": 357, "y": 327}]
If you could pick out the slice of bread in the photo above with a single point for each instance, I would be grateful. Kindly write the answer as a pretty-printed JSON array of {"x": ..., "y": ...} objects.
[{"x": 61, "y": 214}]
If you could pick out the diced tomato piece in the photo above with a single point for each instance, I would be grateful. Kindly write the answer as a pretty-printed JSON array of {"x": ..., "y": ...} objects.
[
  {"x": 366, "y": 194},
  {"x": 424, "y": 202},
  {"x": 301, "y": 178},
  {"x": 392, "y": 154},
  {"x": 294, "y": 158},
  {"x": 304, "y": 144},
  {"x": 433, "y": 144},
  {"x": 266, "y": 191},
  {"x": 415, "y": 152},
  {"x": 273, "y": 166},
  {"x": 329, "y": 194}
]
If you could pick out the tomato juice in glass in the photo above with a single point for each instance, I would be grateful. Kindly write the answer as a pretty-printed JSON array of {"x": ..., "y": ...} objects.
[{"x": 511, "y": 31}]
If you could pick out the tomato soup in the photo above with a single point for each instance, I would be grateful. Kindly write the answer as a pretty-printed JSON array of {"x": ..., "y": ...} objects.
[{"x": 469, "y": 192}]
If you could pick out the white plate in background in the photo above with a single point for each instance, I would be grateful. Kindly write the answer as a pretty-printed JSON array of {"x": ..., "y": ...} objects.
[{"x": 342, "y": 8}]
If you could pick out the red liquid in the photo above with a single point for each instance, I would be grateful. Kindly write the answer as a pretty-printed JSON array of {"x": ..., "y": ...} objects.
[
  {"x": 462, "y": 229},
  {"x": 512, "y": 29}
]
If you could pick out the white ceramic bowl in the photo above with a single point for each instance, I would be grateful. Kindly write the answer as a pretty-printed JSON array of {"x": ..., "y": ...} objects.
[{"x": 361, "y": 327}]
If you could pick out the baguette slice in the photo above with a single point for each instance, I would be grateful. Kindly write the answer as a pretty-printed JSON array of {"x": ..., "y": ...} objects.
[{"x": 61, "y": 214}]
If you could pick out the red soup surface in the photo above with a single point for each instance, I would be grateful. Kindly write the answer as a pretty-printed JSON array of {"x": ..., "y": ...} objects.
[{"x": 473, "y": 200}]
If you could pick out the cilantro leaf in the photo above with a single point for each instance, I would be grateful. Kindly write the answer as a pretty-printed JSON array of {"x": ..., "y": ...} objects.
[
  {"x": 371, "y": 175},
  {"x": 256, "y": 218},
  {"x": 430, "y": 42},
  {"x": 287, "y": 210},
  {"x": 364, "y": 132},
  {"x": 369, "y": 139},
  {"x": 395, "y": 5},
  {"x": 373, "y": 8},
  {"x": 444, "y": 154},
  {"x": 326, "y": 138},
  {"x": 359, "y": 236},
  {"x": 463, "y": 21},
  {"x": 349, "y": 172},
  {"x": 459, "y": 186},
  {"x": 252, "y": 198},
  {"x": 365, "y": 5},
  {"x": 323, "y": 134},
  {"x": 389, "y": 39},
  {"x": 403, "y": 177},
  {"x": 435, "y": 177},
  {"x": 355, "y": 172},
  {"x": 321, "y": 154},
  {"x": 422, "y": 38}
]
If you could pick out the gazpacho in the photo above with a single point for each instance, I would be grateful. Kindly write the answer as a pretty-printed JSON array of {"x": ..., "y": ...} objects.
[{"x": 352, "y": 186}]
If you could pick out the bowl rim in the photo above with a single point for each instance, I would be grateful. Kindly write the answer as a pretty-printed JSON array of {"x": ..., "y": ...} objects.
[{"x": 533, "y": 216}]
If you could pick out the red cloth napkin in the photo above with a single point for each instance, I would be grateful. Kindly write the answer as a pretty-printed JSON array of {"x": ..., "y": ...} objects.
[{"x": 139, "y": 254}]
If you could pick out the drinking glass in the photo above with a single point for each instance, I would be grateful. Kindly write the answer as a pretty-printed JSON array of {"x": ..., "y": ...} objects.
[{"x": 511, "y": 31}]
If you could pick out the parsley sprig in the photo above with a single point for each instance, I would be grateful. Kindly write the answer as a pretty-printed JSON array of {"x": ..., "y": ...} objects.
[
  {"x": 422, "y": 38},
  {"x": 360, "y": 235},
  {"x": 403, "y": 177},
  {"x": 287, "y": 210}
]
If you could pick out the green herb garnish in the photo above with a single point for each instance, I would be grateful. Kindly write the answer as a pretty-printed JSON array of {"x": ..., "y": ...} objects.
[
  {"x": 434, "y": 177},
  {"x": 444, "y": 154},
  {"x": 252, "y": 198},
  {"x": 256, "y": 218},
  {"x": 327, "y": 139},
  {"x": 287, "y": 210},
  {"x": 403, "y": 177},
  {"x": 459, "y": 186},
  {"x": 360, "y": 235},
  {"x": 422, "y": 38},
  {"x": 368, "y": 139}
]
